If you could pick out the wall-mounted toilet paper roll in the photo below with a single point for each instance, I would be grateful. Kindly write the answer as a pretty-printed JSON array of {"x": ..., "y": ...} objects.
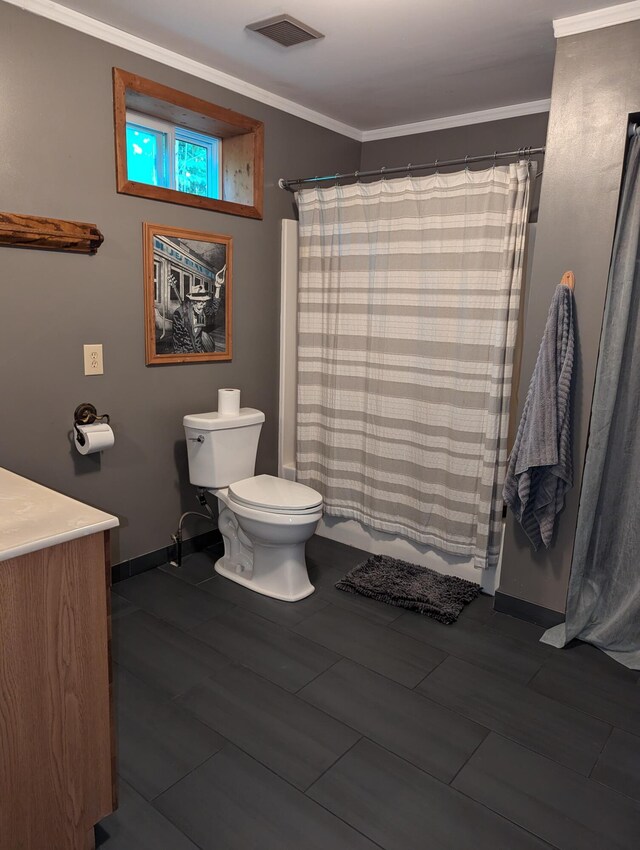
[
  {"x": 228, "y": 402},
  {"x": 97, "y": 437}
]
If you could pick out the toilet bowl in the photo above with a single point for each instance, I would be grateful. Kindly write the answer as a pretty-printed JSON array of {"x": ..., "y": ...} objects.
[{"x": 265, "y": 521}]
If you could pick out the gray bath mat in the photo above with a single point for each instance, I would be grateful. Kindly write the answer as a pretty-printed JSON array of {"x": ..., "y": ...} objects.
[{"x": 410, "y": 586}]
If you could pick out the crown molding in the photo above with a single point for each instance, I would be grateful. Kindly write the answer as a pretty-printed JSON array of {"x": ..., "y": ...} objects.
[
  {"x": 598, "y": 19},
  {"x": 498, "y": 113},
  {"x": 120, "y": 38}
]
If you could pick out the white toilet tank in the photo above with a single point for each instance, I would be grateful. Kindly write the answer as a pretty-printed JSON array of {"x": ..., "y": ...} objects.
[{"x": 222, "y": 449}]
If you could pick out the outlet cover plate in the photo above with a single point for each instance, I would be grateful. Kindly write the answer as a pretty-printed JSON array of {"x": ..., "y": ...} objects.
[{"x": 93, "y": 364}]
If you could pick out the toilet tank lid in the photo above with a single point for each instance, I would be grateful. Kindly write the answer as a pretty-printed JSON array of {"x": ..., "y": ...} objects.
[{"x": 215, "y": 421}]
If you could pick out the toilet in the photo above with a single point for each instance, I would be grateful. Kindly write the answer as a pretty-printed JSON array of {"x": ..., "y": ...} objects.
[{"x": 265, "y": 521}]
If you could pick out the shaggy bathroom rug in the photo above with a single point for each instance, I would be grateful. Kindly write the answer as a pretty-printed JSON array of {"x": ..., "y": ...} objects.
[{"x": 410, "y": 586}]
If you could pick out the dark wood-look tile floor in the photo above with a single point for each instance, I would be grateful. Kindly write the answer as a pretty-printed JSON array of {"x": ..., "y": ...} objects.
[{"x": 340, "y": 722}]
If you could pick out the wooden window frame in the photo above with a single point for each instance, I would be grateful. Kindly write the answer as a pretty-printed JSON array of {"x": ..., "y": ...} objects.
[{"x": 242, "y": 143}]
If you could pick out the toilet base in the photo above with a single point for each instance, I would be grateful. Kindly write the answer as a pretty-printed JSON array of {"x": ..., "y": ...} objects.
[{"x": 287, "y": 574}]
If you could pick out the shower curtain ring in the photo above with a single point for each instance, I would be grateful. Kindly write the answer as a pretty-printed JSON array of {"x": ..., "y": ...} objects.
[
  {"x": 382, "y": 172},
  {"x": 466, "y": 162},
  {"x": 436, "y": 166},
  {"x": 357, "y": 176}
]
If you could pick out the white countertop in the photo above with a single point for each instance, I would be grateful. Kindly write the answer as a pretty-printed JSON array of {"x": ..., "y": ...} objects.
[{"x": 33, "y": 517}]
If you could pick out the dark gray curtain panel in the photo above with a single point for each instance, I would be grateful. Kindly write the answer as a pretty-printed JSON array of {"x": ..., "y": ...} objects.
[{"x": 603, "y": 602}]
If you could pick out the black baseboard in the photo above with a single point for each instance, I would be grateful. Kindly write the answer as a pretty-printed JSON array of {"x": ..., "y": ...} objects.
[
  {"x": 526, "y": 610},
  {"x": 151, "y": 560}
]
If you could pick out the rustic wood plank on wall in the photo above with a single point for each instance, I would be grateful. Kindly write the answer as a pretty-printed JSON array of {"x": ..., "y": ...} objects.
[{"x": 50, "y": 234}]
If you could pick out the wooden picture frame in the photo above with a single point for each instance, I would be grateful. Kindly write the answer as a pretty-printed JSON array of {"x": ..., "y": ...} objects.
[{"x": 187, "y": 295}]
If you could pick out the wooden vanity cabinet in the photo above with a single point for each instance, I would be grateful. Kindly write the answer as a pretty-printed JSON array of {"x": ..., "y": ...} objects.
[{"x": 57, "y": 748}]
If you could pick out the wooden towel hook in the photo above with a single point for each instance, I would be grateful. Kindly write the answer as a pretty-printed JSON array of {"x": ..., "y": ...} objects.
[{"x": 568, "y": 279}]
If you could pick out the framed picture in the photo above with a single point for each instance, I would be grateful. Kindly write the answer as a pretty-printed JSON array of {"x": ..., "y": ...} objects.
[{"x": 187, "y": 295}]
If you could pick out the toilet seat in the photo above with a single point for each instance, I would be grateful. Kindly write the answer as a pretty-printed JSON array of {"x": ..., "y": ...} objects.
[{"x": 275, "y": 495}]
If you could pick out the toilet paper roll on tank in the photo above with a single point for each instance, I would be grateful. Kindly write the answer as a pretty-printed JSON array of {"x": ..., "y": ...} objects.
[
  {"x": 93, "y": 438},
  {"x": 228, "y": 402}
]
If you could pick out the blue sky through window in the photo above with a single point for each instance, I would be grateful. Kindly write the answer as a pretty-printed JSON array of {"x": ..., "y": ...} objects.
[{"x": 145, "y": 155}]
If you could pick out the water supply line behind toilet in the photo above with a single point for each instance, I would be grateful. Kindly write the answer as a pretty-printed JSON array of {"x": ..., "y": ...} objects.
[{"x": 177, "y": 537}]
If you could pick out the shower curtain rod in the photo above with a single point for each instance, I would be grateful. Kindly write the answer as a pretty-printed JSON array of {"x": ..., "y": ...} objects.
[{"x": 467, "y": 160}]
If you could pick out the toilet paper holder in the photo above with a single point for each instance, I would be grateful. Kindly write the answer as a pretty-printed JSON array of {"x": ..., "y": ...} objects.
[{"x": 86, "y": 414}]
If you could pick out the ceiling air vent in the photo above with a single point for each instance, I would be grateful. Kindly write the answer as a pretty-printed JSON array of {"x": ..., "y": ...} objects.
[{"x": 285, "y": 30}]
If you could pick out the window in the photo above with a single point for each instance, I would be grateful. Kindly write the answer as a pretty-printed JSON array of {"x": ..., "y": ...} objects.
[
  {"x": 161, "y": 154},
  {"x": 176, "y": 292},
  {"x": 171, "y": 146},
  {"x": 145, "y": 154}
]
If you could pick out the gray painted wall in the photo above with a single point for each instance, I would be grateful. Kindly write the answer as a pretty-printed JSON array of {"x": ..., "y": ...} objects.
[
  {"x": 57, "y": 159},
  {"x": 596, "y": 86}
]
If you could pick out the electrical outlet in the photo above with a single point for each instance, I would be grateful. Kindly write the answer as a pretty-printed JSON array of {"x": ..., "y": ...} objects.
[{"x": 93, "y": 360}]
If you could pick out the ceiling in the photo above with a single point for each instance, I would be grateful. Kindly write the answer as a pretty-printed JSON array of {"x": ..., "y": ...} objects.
[{"x": 382, "y": 63}]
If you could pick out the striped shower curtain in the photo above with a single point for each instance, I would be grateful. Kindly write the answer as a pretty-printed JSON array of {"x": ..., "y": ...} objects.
[{"x": 409, "y": 292}]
